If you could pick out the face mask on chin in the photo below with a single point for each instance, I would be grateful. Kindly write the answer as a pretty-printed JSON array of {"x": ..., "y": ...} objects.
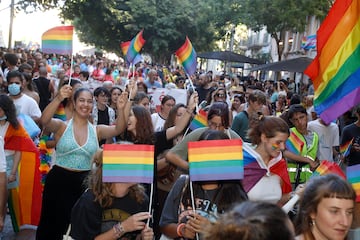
[
  {"x": 3, "y": 118},
  {"x": 14, "y": 89}
]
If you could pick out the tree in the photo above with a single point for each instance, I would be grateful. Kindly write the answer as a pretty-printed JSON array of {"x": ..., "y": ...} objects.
[
  {"x": 279, "y": 16},
  {"x": 106, "y": 23}
]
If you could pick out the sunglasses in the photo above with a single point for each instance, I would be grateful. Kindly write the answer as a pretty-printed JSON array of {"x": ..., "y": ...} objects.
[{"x": 220, "y": 95}]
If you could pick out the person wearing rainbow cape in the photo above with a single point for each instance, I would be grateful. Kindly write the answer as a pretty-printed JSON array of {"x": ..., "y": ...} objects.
[{"x": 301, "y": 146}]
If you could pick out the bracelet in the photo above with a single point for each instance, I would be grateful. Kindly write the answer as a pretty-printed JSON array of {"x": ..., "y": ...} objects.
[
  {"x": 118, "y": 229},
  {"x": 189, "y": 112},
  {"x": 179, "y": 229}
]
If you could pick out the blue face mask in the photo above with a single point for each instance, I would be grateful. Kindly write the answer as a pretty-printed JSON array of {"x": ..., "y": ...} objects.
[
  {"x": 3, "y": 118},
  {"x": 14, "y": 89}
]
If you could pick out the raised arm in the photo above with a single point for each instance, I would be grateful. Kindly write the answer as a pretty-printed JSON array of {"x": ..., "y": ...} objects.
[
  {"x": 49, "y": 111},
  {"x": 180, "y": 126}
]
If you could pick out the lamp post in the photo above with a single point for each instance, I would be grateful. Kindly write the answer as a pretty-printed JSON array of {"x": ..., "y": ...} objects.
[{"x": 12, "y": 8}]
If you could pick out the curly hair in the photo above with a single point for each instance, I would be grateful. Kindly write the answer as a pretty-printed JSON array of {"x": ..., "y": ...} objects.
[
  {"x": 8, "y": 106},
  {"x": 103, "y": 191}
]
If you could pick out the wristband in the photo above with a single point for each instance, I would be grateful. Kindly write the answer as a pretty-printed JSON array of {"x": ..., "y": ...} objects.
[
  {"x": 119, "y": 229},
  {"x": 179, "y": 228}
]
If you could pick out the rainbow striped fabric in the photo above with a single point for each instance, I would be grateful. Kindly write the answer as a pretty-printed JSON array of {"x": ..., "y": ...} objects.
[
  {"x": 216, "y": 160},
  {"x": 124, "y": 48},
  {"x": 58, "y": 40},
  {"x": 134, "y": 47},
  {"x": 346, "y": 147},
  {"x": 128, "y": 163},
  {"x": 353, "y": 176},
  {"x": 327, "y": 167},
  {"x": 187, "y": 57},
  {"x": 199, "y": 121},
  {"x": 294, "y": 144},
  {"x": 335, "y": 71}
]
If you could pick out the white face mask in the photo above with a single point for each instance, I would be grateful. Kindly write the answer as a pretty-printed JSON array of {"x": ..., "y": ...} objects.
[{"x": 3, "y": 118}]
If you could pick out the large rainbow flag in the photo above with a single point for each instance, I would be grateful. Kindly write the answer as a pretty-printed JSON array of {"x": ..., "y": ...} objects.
[
  {"x": 187, "y": 57},
  {"x": 200, "y": 120},
  {"x": 335, "y": 71},
  {"x": 25, "y": 201},
  {"x": 216, "y": 160},
  {"x": 353, "y": 176},
  {"x": 58, "y": 40},
  {"x": 135, "y": 46},
  {"x": 128, "y": 163},
  {"x": 294, "y": 144}
]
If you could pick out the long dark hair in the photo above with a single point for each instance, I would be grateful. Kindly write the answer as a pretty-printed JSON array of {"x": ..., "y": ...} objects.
[
  {"x": 8, "y": 106},
  {"x": 170, "y": 121},
  {"x": 229, "y": 192},
  {"x": 144, "y": 128}
]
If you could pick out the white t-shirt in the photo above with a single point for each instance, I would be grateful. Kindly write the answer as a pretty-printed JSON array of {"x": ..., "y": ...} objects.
[
  {"x": 328, "y": 138},
  {"x": 28, "y": 106},
  {"x": 158, "y": 122}
]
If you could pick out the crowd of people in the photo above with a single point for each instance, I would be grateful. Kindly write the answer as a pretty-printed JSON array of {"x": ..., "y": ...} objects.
[{"x": 60, "y": 98}]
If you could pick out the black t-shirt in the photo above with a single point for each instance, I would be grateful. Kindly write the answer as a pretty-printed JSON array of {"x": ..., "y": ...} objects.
[
  {"x": 88, "y": 219},
  {"x": 351, "y": 131}
]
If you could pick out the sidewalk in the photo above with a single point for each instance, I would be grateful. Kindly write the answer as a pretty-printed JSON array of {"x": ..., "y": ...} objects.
[{"x": 8, "y": 233}]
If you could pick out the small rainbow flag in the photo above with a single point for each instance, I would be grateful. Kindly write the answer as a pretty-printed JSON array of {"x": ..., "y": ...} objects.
[
  {"x": 128, "y": 163},
  {"x": 58, "y": 40},
  {"x": 294, "y": 144},
  {"x": 346, "y": 147},
  {"x": 353, "y": 176},
  {"x": 187, "y": 56},
  {"x": 335, "y": 71},
  {"x": 327, "y": 167},
  {"x": 135, "y": 46},
  {"x": 124, "y": 48},
  {"x": 200, "y": 120},
  {"x": 216, "y": 160}
]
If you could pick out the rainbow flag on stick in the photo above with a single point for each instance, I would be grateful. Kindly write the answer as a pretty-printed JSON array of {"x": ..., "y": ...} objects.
[
  {"x": 346, "y": 147},
  {"x": 199, "y": 121},
  {"x": 187, "y": 57},
  {"x": 134, "y": 47},
  {"x": 124, "y": 48},
  {"x": 327, "y": 167},
  {"x": 294, "y": 144},
  {"x": 335, "y": 71},
  {"x": 353, "y": 176},
  {"x": 216, "y": 160},
  {"x": 128, "y": 163},
  {"x": 58, "y": 40}
]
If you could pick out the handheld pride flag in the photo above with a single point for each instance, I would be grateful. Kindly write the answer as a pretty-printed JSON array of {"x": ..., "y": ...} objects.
[
  {"x": 346, "y": 147},
  {"x": 134, "y": 47},
  {"x": 294, "y": 144},
  {"x": 216, "y": 160},
  {"x": 187, "y": 56},
  {"x": 124, "y": 48},
  {"x": 200, "y": 120},
  {"x": 128, "y": 163},
  {"x": 353, "y": 176},
  {"x": 58, "y": 40},
  {"x": 335, "y": 71},
  {"x": 327, "y": 167}
]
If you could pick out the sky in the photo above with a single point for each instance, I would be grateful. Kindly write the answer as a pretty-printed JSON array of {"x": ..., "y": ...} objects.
[{"x": 29, "y": 27}]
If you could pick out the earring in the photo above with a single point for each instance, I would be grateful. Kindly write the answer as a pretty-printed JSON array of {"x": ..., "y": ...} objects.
[{"x": 312, "y": 222}]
